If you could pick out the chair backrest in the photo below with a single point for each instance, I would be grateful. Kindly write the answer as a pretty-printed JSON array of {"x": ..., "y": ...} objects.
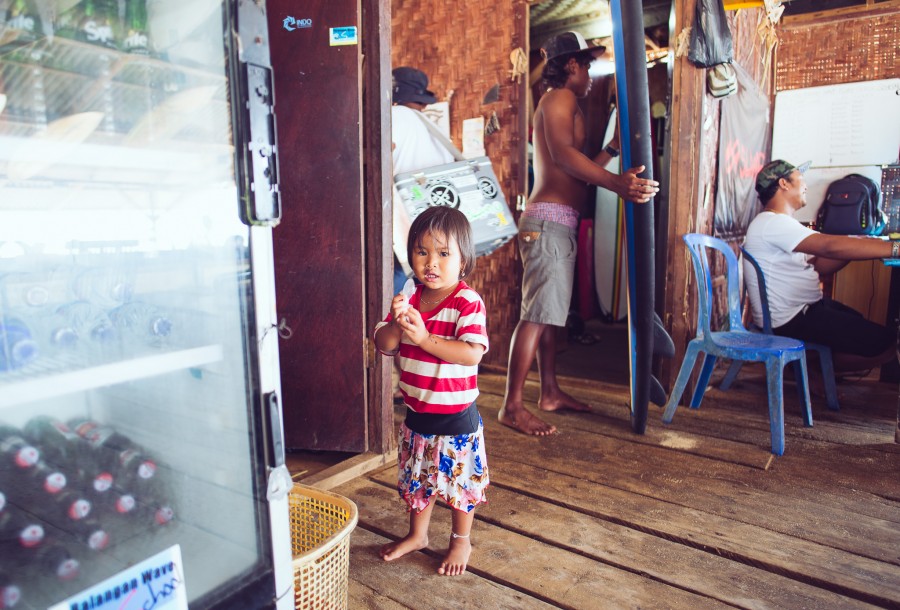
[
  {"x": 698, "y": 244},
  {"x": 763, "y": 298}
]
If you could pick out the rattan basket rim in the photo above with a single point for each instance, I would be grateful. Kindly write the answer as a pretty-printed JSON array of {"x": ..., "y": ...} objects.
[{"x": 330, "y": 542}]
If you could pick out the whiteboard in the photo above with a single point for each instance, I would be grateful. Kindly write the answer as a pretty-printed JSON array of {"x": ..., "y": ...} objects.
[{"x": 846, "y": 125}]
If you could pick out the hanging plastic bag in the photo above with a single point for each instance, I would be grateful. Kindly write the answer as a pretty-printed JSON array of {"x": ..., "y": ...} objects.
[{"x": 711, "y": 42}]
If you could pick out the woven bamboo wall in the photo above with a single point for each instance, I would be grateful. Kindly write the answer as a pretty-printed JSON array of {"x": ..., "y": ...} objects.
[
  {"x": 859, "y": 47},
  {"x": 465, "y": 51}
]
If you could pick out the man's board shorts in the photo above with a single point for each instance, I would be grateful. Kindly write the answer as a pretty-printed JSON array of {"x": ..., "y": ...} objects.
[
  {"x": 548, "y": 250},
  {"x": 841, "y": 328}
]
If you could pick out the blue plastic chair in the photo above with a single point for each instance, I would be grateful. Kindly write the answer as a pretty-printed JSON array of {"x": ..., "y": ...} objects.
[
  {"x": 738, "y": 343},
  {"x": 824, "y": 351}
]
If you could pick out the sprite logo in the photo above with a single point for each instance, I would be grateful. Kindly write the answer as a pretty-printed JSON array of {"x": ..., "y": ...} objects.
[
  {"x": 98, "y": 32},
  {"x": 135, "y": 40},
  {"x": 21, "y": 22}
]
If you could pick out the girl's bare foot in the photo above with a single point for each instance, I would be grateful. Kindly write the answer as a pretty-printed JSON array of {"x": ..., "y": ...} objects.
[
  {"x": 457, "y": 557},
  {"x": 407, "y": 544}
]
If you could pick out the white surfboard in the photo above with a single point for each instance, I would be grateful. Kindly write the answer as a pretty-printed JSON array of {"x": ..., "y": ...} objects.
[{"x": 610, "y": 267}]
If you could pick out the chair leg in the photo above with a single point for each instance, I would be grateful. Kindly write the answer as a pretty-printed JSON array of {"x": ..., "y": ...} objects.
[
  {"x": 733, "y": 369},
  {"x": 803, "y": 388},
  {"x": 703, "y": 380},
  {"x": 775, "y": 385},
  {"x": 828, "y": 376},
  {"x": 687, "y": 365}
]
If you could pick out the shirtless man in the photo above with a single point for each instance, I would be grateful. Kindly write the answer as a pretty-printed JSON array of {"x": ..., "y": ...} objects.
[{"x": 548, "y": 227}]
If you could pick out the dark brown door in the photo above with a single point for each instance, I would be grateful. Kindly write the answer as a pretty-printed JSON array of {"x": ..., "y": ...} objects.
[{"x": 319, "y": 264}]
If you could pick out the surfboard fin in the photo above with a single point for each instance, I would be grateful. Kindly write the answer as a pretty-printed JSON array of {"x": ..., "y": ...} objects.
[
  {"x": 657, "y": 393},
  {"x": 662, "y": 342}
]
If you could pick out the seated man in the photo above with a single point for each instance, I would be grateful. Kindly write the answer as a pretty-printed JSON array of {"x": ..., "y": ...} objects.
[{"x": 793, "y": 257}]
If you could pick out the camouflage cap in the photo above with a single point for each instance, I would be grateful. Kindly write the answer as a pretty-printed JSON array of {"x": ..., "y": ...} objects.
[{"x": 774, "y": 170}]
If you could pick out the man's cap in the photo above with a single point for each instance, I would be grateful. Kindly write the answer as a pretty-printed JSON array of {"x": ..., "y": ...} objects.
[
  {"x": 411, "y": 85},
  {"x": 774, "y": 171},
  {"x": 569, "y": 44}
]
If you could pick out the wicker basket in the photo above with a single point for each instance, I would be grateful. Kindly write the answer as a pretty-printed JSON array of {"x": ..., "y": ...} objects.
[{"x": 321, "y": 523}]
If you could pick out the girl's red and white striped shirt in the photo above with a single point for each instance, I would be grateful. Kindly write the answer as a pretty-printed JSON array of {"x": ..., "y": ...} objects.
[{"x": 432, "y": 385}]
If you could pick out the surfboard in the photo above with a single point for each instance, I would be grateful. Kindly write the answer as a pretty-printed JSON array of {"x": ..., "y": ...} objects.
[
  {"x": 609, "y": 243},
  {"x": 645, "y": 331}
]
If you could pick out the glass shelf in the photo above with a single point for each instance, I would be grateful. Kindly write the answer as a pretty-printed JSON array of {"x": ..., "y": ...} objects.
[{"x": 42, "y": 381}]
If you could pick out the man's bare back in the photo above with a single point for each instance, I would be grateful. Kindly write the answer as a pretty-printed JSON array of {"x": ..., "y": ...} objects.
[{"x": 552, "y": 183}]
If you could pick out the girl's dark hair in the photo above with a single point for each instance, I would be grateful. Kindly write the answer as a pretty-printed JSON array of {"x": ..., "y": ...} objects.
[{"x": 449, "y": 222}]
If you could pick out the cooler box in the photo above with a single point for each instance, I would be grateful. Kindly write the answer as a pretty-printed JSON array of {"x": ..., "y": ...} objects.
[{"x": 471, "y": 187}]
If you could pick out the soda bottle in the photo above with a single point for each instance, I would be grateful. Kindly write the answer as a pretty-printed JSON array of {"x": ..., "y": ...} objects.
[
  {"x": 23, "y": 17},
  {"x": 59, "y": 445},
  {"x": 63, "y": 509},
  {"x": 17, "y": 456},
  {"x": 17, "y": 347},
  {"x": 91, "y": 533},
  {"x": 98, "y": 23},
  {"x": 132, "y": 466},
  {"x": 19, "y": 531},
  {"x": 10, "y": 592},
  {"x": 37, "y": 487},
  {"x": 55, "y": 561},
  {"x": 136, "y": 39}
]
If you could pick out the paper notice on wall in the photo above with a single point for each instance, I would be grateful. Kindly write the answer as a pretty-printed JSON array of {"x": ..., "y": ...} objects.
[{"x": 473, "y": 138}]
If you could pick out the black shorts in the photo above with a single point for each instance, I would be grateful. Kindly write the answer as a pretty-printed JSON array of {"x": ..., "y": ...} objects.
[{"x": 841, "y": 328}]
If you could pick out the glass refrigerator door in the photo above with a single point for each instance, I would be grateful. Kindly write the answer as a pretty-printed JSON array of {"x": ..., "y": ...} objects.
[{"x": 130, "y": 402}]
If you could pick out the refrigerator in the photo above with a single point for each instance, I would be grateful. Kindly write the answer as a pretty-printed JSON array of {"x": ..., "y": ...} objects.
[{"x": 141, "y": 453}]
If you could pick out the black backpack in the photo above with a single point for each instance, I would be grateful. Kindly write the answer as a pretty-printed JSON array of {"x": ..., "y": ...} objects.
[{"x": 851, "y": 207}]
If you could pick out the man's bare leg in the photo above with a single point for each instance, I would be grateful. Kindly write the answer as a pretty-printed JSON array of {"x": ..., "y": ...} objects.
[
  {"x": 415, "y": 540},
  {"x": 457, "y": 557},
  {"x": 552, "y": 397},
  {"x": 844, "y": 362},
  {"x": 523, "y": 349}
]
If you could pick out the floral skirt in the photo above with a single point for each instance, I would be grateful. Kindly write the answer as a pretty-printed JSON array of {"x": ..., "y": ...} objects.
[{"x": 453, "y": 467}]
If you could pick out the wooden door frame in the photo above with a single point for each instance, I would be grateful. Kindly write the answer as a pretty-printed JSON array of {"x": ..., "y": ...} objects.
[{"x": 378, "y": 210}]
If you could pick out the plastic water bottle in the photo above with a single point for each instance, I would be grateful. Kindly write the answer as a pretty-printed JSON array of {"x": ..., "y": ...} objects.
[
  {"x": 102, "y": 286},
  {"x": 141, "y": 323},
  {"x": 17, "y": 346},
  {"x": 89, "y": 322}
]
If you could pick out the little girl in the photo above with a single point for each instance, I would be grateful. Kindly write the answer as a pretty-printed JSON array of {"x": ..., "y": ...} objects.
[{"x": 439, "y": 336}]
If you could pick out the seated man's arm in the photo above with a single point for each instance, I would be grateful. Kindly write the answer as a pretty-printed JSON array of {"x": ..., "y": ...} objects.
[{"x": 833, "y": 252}]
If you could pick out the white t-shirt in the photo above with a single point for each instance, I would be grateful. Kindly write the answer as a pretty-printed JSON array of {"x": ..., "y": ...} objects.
[
  {"x": 415, "y": 148},
  {"x": 791, "y": 280}
]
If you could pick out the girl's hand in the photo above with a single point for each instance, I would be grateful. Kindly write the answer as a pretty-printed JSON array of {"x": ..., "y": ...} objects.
[
  {"x": 399, "y": 306},
  {"x": 413, "y": 326}
]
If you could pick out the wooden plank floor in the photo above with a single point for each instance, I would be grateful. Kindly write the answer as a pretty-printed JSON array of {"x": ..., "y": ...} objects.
[{"x": 696, "y": 514}]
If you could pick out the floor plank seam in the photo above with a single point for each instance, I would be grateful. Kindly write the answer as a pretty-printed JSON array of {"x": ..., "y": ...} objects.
[
  {"x": 694, "y": 508},
  {"x": 480, "y": 573},
  {"x": 598, "y": 559},
  {"x": 730, "y": 555}
]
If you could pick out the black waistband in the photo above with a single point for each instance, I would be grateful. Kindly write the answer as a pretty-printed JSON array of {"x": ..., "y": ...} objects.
[{"x": 445, "y": 424}]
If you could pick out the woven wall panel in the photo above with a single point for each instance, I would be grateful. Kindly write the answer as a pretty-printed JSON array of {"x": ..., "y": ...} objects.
[
  {"x": 859, "y": 48},
  {"x": 465, "y": 48}
]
